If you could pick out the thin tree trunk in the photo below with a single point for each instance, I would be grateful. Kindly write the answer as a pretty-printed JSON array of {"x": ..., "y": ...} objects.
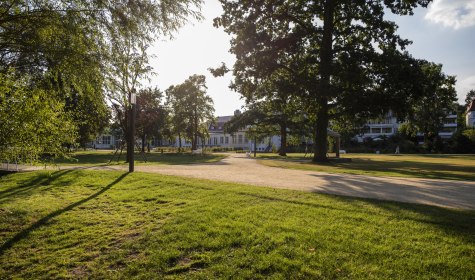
[
  {"x": 283, "y": 140},
  {"x": 143, "y": 142},
  {"x": 326, "y": 56},
  {"x": 179, "y": 142}
]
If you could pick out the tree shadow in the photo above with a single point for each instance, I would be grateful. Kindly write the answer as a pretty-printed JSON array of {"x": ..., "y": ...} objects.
[
  {"x": 25, "y": 232},
  {"x": 417, "y": 169},
  {"x": 430, "y": 192},
  {"x": 460, "y": 223},
  {"x": 43, "y": 179}
]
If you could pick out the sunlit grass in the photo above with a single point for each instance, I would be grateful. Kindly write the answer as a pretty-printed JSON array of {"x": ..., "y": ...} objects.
[
  {"x": 453, "y": 167},
  {"x": 108, "y": 224}
]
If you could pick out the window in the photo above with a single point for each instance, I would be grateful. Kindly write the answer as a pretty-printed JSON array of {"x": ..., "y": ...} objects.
[
  {"x": 246, "y": 140},
  {"x": 215, "y": 140},
  {"x": 226, "y": 140},
  {"x": 376, "y": 130},
  {"x": 240, "y": 139},
  {"x": 106, "y": 139},
  {"x": 450, "y": 121},
  {"x": 387, "y": 130},
  {"x": 365, "y": 130}
]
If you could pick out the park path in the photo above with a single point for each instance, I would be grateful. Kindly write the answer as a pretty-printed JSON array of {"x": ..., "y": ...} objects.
[{"x": 238, "y": 168}]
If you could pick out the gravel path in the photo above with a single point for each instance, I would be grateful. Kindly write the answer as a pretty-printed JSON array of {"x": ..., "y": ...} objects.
[{"x": 240, "y": 169}]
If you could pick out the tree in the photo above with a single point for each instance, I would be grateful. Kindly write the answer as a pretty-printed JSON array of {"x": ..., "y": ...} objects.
[
  {"x": 31, "y": 123},
  {"x": 427, "y": 113},
  {"x": 70, "y": 49},
  {"x": 191, "y": 108},
  {"x": 336, "y": 50},
  {"x": 469, "y": 98},
  {"x": 151, "y": 116}
]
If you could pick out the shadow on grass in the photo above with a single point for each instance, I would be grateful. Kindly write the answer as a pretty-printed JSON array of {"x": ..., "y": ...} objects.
[
  {"x": 24, "y": 233},
  {"x": 158, "y": 158},
  {"x": 455, "y": 222},
  {"x": 28, "y": 185},
  {"x": 404, "y": 168}
]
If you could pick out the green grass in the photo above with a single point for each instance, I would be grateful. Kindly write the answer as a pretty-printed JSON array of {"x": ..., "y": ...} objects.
[
  {"x": 451, "y": 167},
  {"x": 108, "y": 224},
  {"x": 102, "y": 157}
]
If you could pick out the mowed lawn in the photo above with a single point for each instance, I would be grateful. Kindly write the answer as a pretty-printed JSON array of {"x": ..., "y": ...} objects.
[
  {"x": 105, "y": 157},
  {"x": 451, "y": 167},
  {"x": 108, "y": 224}
]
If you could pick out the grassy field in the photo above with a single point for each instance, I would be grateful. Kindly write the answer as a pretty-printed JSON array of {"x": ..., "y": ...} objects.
[
  {"x": 107, "y": 224},
  {"x": 102, "y": 157},
  {"x": 452, "y": 167}
]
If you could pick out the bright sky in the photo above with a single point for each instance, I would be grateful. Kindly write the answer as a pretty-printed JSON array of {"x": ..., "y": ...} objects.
[{"x": 443, "y": 33}]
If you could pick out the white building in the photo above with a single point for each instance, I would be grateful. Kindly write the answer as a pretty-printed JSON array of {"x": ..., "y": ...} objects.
[
  {"x": 389, "y": 125},
  {"x": 238, "y": 140},
  {"x": 470, "y": 116}
]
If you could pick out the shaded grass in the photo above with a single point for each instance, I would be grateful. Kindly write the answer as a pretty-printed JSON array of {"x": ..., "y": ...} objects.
[
  {"x": 451, "y": 167},
  {"x": 102, "y": 157},
  {"x": 103, "y": 224}
]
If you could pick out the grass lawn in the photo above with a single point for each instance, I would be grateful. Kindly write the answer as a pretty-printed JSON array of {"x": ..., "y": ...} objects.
[
  {"x": 102, "y": 157},
  {"x": 107, "y": 224},
  {"x": 452, "y": 167}
]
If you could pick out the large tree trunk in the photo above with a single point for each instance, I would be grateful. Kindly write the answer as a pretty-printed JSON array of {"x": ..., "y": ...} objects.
[
  {"x": 324, "y": 90},
  {"x": 143, "y": 142},
  {"x": 321, "y": 133},
  {"x": 283, "y": 140},
  {"x": 179, "y": 142}
]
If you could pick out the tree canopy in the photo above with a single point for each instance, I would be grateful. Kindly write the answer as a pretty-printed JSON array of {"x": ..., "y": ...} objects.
[
  {"x": 77, "y": 52},
  {"x": 191, "y": 109},
  {"x": 344, "y": 55}
]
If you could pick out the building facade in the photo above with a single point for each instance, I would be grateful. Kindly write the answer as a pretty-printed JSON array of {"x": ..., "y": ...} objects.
[
  {"x": 389, "y": 125},
  {"x": 218, "y": 138}
]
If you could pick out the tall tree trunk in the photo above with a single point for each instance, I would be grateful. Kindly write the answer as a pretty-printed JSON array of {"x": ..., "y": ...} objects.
[
  {"x": 179, "y": 142},
  {"x": 195, "y": 132},
  {"x": 324, "y": 90},
  {"x": 143, "y": 142},
  {"x": 283, "y": 140},
  {"x": 321, "y": 133}
]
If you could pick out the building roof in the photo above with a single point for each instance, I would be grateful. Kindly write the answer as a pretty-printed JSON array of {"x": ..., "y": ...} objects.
[
  {"x": 471, "y": 107},
  {"x": 218, "y": 124}
]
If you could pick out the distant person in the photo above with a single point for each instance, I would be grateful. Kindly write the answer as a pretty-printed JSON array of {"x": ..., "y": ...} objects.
[{"x": 397, "y": 150}]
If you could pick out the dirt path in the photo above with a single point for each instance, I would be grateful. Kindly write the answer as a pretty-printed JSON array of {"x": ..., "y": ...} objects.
[{"x": 240, "y": 169}]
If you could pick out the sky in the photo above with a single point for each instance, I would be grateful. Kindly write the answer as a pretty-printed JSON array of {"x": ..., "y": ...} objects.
[{"x": 442, "y": 33}]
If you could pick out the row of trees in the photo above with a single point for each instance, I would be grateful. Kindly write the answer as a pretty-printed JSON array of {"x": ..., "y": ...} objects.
[
  {"x": 61, "y": 60},
  {"x": 306, "y": 65},
  {"x": 184, "y": 111}
]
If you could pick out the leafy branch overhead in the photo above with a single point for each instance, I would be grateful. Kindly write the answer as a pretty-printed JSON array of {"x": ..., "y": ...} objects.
[{"x": 79, "y": 52}]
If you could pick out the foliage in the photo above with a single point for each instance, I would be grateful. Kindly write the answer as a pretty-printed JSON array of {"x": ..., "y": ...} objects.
[
  {"x": 74, "y": 50},
  {"x": 151, "y": 116},
  {"x": 332, "y": 50},
  {"x": 76, "y": 223},
  {"x": 427, "y": 113},
  {"x": 191, "y": 109},
  {"x": 469, "y": 98},
  {"x": 32, "y": 124}
]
